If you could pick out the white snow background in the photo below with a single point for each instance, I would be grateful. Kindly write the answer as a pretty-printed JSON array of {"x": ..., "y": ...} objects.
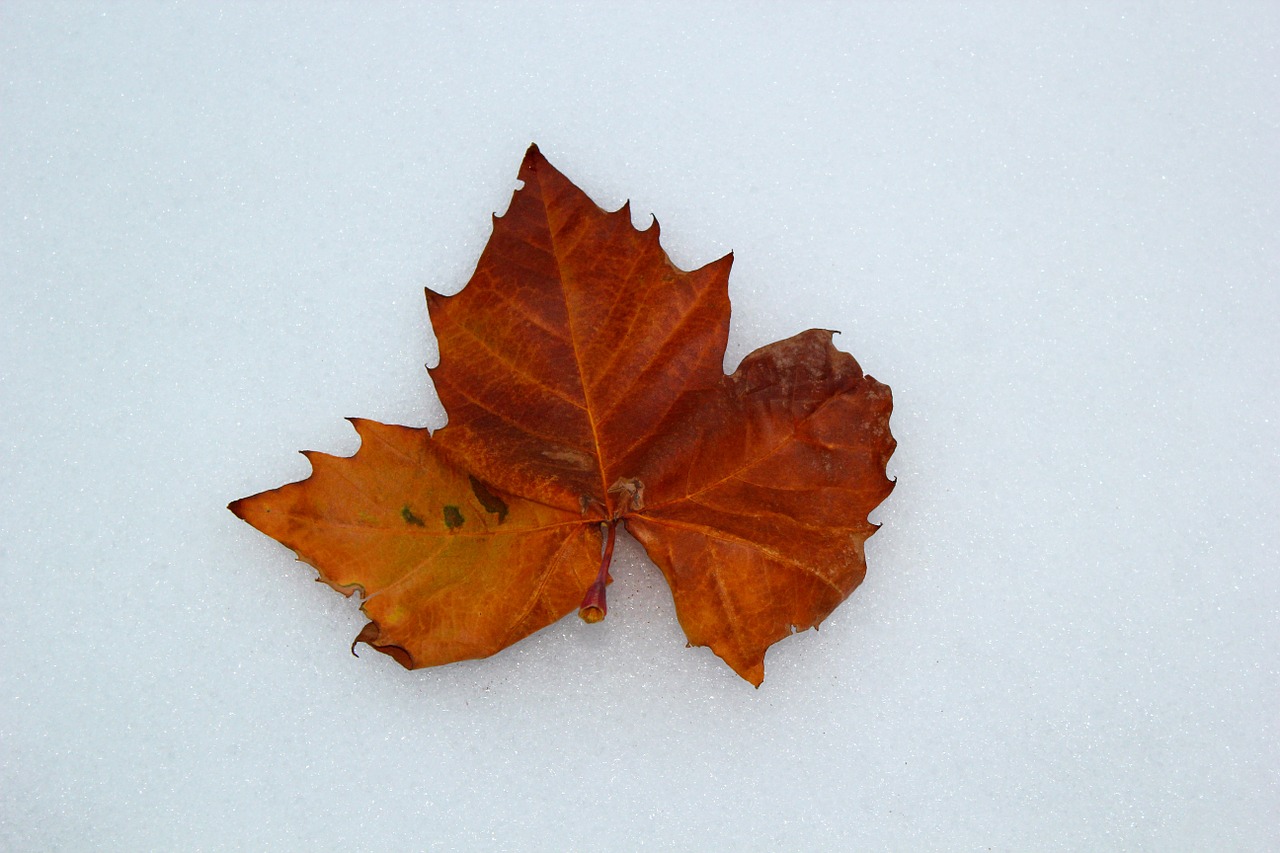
[{"x": 1051, "y": 228}]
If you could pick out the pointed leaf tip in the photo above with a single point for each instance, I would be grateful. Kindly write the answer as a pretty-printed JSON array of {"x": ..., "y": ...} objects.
[
  {"x": 532, "y": 157},
  {"x": 369, "y": 635}
]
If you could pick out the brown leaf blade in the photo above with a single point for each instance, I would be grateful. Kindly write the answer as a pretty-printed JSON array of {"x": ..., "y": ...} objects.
[
  {"x": 570, "y": 342},
  {"x": 762, "y": 529},
  {"x": 450, "y": 569}
]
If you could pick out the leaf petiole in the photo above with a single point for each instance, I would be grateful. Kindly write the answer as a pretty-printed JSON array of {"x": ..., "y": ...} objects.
[{"x": 594, "y": 607}]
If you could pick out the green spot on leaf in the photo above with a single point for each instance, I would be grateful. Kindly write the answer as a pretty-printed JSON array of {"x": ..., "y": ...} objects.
[
  {"x": 452, "y": 517},
  {"x": 409, "y": 517}
]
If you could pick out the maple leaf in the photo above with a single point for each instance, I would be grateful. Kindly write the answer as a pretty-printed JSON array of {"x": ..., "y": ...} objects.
[{"x": 582, "y": 376}]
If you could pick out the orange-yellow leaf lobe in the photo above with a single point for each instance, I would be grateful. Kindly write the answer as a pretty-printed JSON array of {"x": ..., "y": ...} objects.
[
  {"x": 581, "y": 373},
  {"x": 438, "y": 591}
]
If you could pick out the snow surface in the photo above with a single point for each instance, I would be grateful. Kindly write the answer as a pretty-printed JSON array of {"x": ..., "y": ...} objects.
[{"x": 1051, "y": 228}]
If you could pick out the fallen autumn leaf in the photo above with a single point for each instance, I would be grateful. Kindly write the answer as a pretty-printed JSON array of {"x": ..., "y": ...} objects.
[{"x": 582, "y": 376}]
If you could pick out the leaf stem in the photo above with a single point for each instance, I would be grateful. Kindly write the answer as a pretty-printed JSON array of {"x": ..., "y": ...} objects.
[{"x": 594, "y": 607}]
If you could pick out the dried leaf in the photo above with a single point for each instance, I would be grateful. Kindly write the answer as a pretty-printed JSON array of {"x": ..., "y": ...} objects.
[{"x": 581, "y": 372}]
